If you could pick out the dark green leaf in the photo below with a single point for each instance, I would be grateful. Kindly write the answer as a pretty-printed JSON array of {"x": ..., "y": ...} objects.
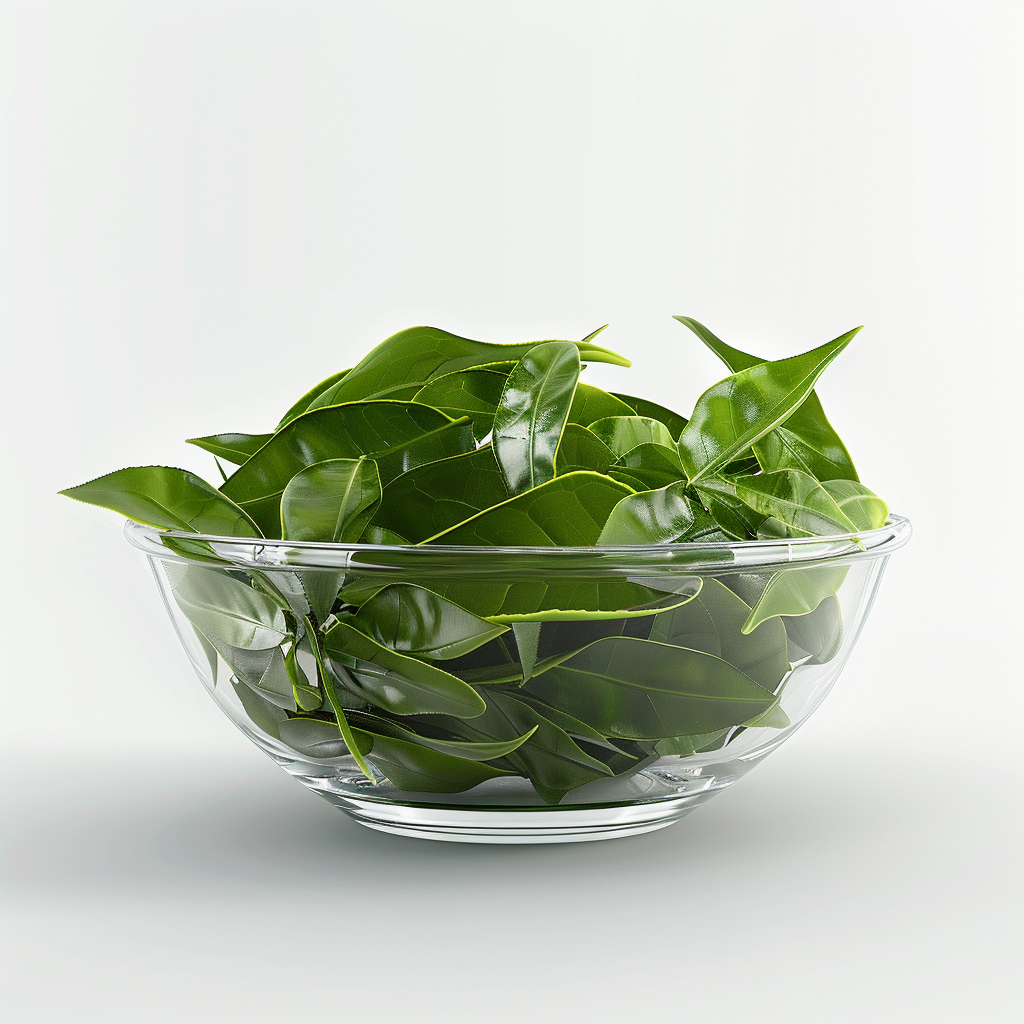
[
  {"x": 579, "y": 449},
  {"x": 532, "y": 412},
  {"x": 423, "y": 624},
  {"x": 664, "y": 516},
  {"x": 567, "y": 511},
  {"x": 806, "y": 441},
  {"x": 227, "y": 610},
  {"x": 654, "y": 464},
  {"x": 644, "y": 690},
  {"x": 302, "y": 405},
  {"x": 818, "y": 633},
  {"x": 396, "y": 682},
  {"x": 314, "y": 737},
  {"x": 338, "y": 432},
  {"x": 738, "y": 411},
  {"x": 439, "y": 495},
  {"x": 590, "y": 404},
  {"x": 472, "y": 750},
  {"x": 418, "y": 769},
  {"x": 330, "y": 501},
  {"x": 473, "y": 393},
  {"x": 233, "y": 448},
  {"x": 265, "y": 716},
  {"x": 712, "y": 623},
  {"x": 417, "y": 355},
  {"x": 167, "y": 498}
]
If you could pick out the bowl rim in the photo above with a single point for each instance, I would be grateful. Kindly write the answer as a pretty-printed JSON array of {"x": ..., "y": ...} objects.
[{"x": 264, "y": 553}]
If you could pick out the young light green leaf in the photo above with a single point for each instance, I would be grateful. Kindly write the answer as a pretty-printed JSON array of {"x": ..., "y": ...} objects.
[
  {"x": 568, "y": 511},
  {"x": 624, "y": 433},
  {"x": 396, "y": 682},
  {"x": 792, "y": 497},
  {"x": 423, "y": 624},
  {"x": 643, "y": 407},
  {"x": 862, "y": 507},
  {"x": 738, "y": 411},
  {"x": 795, "y": 591},
  {"x": 532, "y": 412},
  {"x": 167, "y": 498},
  {"x": 664, "y": 516},
  {"x": 330, "y": 501},
  {"x": 233, "y": 448}
]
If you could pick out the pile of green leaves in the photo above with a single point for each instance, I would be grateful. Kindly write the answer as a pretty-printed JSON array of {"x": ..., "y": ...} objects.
[{"x": 441, "y": 683}]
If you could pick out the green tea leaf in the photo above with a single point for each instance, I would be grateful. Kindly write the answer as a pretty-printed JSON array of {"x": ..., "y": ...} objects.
[
  {"x": 473, "y": 393},
  {"x": 568, "y": 511},
  {"x": 792, "y": 497},
  {"x": 330, "y": 501},
  {"x": 227, "y": 610},
  {"x": 396, "y": 682},
  {"x": 806, "y": 441},
  {"x": 862, "y": 507},
  {"x": 419, "y": 769},
  {"x": 423, "y": 624},
  {"x": 167, "y": 498},
  {"x": 639, "y": 689},
  {"x": 532, "y": 412},
  {"x": 417, "y": 355},
  {"x": 439, "y": 495},
  {"x": 579, "y": 449},
  {"x": 337, "y": 432},
  {"x": 654, "y": 464},
  {"x": 302, "y": 405},
  {"x": 738, "y": 411},
  {"x": 590, "y": 404},
  {"x": 713, "y": 621},
  {"x": 624, "y": 433},
  {"x": 643, "y": 407},
  {"x": 234, "y": 448},
  {"x": 664, "y": 516}
]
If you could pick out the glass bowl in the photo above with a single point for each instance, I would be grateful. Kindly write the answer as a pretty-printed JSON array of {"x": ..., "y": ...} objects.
[{"x": 421, "y": 691}]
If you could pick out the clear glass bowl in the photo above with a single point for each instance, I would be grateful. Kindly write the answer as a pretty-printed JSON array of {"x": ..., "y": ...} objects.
[{"x": 749, "y": 638}]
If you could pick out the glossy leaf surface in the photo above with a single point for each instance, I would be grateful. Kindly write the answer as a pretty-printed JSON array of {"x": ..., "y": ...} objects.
[
  {"x": 396, "y": 682},
  {"x": 168, "y": 498},
  {"x": 569, "y": 511},
  {"x": 532, "y": 411},
  {"x": 740, "y": 410},
  {"x": 624, "y": 433},
  {"x": 644, "y": 690},
  {"x": 664, "y": 516},
  {"x": 473, "y": 393},
  {"x": 338, "y": 432},
  {"x": 865, "y": 509},
  {"x": 419, "y": 354},
  {"x": 806, "y": 441},
  {"x": 791, "y": 497},
  {"x": 644, "y": 407},
  {"x": 330, "y": 501},
  {"x": 233, "y": 448},
  {"x": 439, "y": 495},
  {"x": 418, "y": 622}
]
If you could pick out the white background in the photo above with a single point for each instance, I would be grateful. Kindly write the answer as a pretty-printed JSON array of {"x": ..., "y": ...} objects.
[{"x": 208, "y": 207}]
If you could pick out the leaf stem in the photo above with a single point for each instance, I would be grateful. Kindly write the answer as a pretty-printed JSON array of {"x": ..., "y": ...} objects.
[{"x": 332, "y": 696}]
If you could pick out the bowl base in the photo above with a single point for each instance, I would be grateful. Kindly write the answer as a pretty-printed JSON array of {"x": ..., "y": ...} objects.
[{"x": 510, "y": 811}]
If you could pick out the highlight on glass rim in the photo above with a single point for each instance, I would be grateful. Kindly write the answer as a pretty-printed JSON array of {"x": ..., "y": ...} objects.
[{"x": 456, "y": 568}]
